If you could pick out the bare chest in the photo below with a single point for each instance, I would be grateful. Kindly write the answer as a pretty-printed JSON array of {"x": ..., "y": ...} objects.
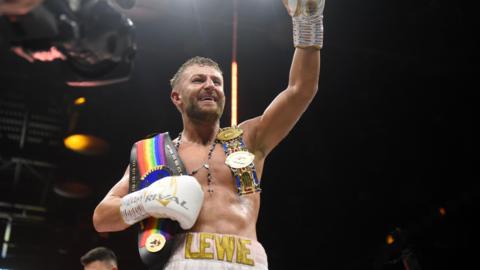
[
  {"x": 209, "y": 168},
  {"x": 238, "y": 213}
]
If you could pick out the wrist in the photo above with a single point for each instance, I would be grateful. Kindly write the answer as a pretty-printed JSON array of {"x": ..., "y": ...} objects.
[
  {"x": 132, "y": 209},
  {"x": 308, "y": 31}
]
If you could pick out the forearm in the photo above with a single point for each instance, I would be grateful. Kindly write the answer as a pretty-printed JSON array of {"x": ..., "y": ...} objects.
[
  {"x": 120, "y": 210},
  {"x": 307, "y": 22},
  {"x": 107, "y": 217},
  {"x": 304, "y": 72}
]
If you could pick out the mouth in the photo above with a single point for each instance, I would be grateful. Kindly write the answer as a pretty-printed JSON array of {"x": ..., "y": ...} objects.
[{"x": 208, "y": 98}]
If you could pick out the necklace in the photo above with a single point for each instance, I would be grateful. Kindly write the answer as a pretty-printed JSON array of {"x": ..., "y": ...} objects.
[{"x": 205, "y": 165}]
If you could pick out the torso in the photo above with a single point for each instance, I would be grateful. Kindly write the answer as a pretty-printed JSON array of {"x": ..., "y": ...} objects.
[{"x": 223, "y": 210}]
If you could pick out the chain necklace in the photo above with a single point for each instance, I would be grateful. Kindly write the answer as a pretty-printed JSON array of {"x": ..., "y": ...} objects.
[{"x": 205, "y": 165}]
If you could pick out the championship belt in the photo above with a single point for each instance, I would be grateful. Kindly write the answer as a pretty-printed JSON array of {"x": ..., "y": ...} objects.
[
  {"x": 151, "y": 160},
  {"x": 239, "y": 160}
]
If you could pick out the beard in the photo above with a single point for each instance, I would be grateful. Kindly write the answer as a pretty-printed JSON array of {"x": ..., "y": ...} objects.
[{"x": 211, "y": 114}]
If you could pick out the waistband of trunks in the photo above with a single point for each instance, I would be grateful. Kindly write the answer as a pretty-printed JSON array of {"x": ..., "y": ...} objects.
[{"x": 219, "y": 247}]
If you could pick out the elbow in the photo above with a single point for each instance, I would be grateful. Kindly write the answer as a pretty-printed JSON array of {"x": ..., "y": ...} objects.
[
  {"x": 97, "y": 224},
  {"x": 305, "y": 92}
]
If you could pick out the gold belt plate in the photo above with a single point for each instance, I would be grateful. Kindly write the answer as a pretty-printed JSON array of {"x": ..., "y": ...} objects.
[
  {"x": 230, "y": 133},
  {"x": 239, "y": 159}
]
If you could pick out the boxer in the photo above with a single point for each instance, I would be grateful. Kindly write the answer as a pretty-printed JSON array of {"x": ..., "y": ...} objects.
[{"x": 197, "y": 198}]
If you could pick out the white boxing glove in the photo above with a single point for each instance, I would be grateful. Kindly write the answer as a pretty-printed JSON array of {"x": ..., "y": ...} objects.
[
  {"x": 307, "y": 19},
  {"x": 178, "y": 198}
]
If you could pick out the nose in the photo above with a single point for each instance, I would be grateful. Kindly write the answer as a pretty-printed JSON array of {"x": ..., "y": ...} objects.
[{"x": 209, "y": 84}]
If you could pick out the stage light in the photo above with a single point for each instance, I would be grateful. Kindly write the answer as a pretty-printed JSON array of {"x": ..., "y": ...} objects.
[
  {"x": 390, "y": 239},
  {"x": 83, "y": 129},
  {"x": 234, "y": 94},
  {"x": 234, "y": 67},
  {"x": 85, "y": 144},
  {"x": 80, "y": 101}
]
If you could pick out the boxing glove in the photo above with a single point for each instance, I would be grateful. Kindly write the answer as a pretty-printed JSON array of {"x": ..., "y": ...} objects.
[{"x": 178, "y": 198}]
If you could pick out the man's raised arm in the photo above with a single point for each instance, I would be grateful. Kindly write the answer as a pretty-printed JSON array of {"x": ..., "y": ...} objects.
[{"x": 285, "y": 110}]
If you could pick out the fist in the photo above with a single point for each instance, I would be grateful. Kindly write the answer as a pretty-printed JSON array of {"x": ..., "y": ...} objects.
[
  {"x": 179, "y": 198},
  {"x": 305, "y": 8}
]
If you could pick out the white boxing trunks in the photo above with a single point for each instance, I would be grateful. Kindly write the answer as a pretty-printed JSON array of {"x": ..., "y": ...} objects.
[{"x": 201, "y": 250}]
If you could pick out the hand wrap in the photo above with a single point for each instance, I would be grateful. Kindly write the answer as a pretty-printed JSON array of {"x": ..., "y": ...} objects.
[{"x": 307, "y": 19}]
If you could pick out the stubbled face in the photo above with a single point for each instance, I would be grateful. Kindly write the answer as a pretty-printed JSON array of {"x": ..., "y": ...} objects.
[{"x": 199, "y": 93}]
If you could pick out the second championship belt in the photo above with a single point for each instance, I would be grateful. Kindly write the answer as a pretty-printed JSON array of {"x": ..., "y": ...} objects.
[
  {"x": 151, "y": 160},
  {"x": 239, "y": 160}
]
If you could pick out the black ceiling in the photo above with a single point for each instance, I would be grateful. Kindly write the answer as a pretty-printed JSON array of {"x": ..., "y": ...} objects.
[{"x": 388, "y": 140}]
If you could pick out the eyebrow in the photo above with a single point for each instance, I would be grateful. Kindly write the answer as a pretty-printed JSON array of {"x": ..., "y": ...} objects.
[{"x": 204, "y": 75}]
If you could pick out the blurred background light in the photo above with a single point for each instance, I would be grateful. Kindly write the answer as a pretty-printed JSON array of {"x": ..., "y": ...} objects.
[{"x": 86, "y": 144}]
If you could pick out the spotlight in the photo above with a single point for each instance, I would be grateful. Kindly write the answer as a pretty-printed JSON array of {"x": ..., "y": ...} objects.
[
  {"x": 86, "y": 144},
  {"x": 80, "y": 101},
  {"x": 83, "y": 129}
]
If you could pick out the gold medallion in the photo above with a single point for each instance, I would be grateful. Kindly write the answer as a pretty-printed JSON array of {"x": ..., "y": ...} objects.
[
  {"x": 227, "y": 134},
  {"x": 239, "y": 159},
  {"x": 155, "y": 242}
]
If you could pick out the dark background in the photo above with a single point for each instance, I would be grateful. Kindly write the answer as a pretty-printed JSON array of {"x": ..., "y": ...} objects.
[{"x": 387, "y": 142}]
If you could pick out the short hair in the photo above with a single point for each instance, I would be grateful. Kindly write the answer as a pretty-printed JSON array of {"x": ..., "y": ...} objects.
[
  {"x": 99, "y": 254},
  {"x": 197, "y": 60}
]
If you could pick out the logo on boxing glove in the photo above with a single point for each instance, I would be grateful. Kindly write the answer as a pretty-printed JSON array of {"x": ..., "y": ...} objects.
[{"x": 166, "y": 192}]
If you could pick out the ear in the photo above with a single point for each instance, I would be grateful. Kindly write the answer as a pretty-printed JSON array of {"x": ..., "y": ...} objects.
[{"x": 175, "y": 97}]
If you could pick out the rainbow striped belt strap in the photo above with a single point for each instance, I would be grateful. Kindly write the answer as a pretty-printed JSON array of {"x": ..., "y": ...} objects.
[{"x": 151, "y": 160}]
